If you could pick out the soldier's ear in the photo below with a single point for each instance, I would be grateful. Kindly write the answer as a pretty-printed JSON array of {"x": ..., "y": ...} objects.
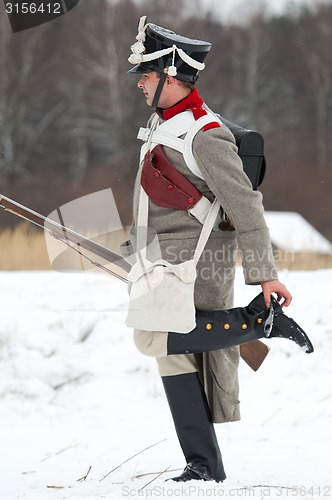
[{"x": 170, "y": 80}]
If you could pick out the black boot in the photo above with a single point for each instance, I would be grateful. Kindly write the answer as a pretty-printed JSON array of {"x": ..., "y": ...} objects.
[
  {"x": 193, "y": 424},
  {"x": 221, "y": 329}
]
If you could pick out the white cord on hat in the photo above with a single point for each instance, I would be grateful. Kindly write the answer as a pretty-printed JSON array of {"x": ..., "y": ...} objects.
[
  {"x": 172, "y": 70},
  {"x": 141, "y": 29},
  {"x": 138, "y": 47},
  {"x": 139, "y": 57}
]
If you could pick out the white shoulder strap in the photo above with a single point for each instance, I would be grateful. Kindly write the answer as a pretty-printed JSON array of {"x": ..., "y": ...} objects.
[
  {"x": 188, "y": 142},
  {"x": 207, "y": 225},
  {"x": 146, "y": 134},
  {"x": 178, "y": 125},
  {"x": 169, "y": 134}
]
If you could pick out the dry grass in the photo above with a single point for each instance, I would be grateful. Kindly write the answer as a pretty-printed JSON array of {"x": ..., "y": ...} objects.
[
  {"x": 303, "y": 261},
  {"x": 24, "y": 248}
]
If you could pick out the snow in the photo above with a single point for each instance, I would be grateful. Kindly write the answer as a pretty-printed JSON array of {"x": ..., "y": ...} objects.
[
  {"x": 75, "y": 394},
  {"x": 291, "y": 232}
]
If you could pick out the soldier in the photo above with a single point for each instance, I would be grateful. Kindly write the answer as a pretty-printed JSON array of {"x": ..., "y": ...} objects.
[{"x": 201, "y": 387}]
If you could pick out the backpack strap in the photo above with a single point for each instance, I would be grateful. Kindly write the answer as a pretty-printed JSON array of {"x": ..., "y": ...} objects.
[{"x": 188, "y": 142}]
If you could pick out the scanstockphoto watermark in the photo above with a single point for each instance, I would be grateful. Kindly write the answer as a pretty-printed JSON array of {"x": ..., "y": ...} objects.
[
  {"x": 220, "y": 264},
  {"x": 217, "y": 272},
  {"x": 227, "y": 255},
  {"x": 187, "y": 492},
  {"x": 261, "y": 491}
]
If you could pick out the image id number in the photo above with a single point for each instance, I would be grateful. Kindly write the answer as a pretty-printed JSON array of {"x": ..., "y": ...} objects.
[
  {"x": 304, "y": 492},
  {"x": 33, "y": 8}
]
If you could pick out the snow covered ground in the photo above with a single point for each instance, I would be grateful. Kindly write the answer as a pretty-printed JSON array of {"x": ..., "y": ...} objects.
[{"x": 75, "y": 394}]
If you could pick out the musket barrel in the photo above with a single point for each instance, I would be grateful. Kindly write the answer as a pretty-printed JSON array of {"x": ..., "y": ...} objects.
[{"x": 62, "y": 232}]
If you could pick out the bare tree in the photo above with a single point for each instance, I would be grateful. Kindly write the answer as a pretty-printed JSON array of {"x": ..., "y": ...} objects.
[
  {"x": 315, "y": 41},
  {"x": 18, "y": 98}
]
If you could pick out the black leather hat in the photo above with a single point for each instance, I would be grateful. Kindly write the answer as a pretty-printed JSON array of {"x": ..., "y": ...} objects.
[{"x": 162, "y": 50}]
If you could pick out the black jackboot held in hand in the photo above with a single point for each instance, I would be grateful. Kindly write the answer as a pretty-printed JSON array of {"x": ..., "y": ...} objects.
[
  {"x": 194, "y": 427},
  {"x": 222, "y": 329}
]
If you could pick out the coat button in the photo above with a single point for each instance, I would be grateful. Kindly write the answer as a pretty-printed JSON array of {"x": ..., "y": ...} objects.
[
  {"x": 227, "y": 326},
  {"x": 208, "y": 326},
  {"x": 170, "y": 187},
  {"x": 244, "y": 326},
  {"x": 260, "y": 320},
  {"x": 157, "y": 174},
  {"x": 190, "y": 200}
]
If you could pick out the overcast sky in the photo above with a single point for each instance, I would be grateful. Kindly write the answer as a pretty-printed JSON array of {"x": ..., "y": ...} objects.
[{"x": 235, "y": 9}]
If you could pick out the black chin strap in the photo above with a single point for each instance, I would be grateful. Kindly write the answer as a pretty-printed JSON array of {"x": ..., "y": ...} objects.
[
  {"x": 162, "y": 81},
  {"x": 159, "y": 89}
]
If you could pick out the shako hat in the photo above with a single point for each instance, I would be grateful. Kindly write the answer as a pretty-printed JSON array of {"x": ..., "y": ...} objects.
[{"x": 162, "y": 50}]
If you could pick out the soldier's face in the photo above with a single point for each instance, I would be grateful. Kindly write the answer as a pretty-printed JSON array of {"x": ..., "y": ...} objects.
[{"x": 148, "y": 83}]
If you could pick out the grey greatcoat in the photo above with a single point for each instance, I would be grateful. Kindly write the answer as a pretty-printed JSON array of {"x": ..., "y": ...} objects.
[{"x": 216, "y": 155}]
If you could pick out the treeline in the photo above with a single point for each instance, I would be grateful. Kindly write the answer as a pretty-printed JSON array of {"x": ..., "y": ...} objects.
[{"x": 69, "y": 112}]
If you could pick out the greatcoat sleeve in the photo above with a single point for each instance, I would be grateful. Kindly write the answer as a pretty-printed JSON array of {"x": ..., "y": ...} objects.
[{"x": 215, "y": 152}]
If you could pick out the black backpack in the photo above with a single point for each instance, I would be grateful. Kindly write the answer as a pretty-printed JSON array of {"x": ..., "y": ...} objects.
[{"x": 251, "y": 151}]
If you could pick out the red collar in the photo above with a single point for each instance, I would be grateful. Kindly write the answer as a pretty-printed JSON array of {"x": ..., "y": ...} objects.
[{"x": 193, "y": 101}]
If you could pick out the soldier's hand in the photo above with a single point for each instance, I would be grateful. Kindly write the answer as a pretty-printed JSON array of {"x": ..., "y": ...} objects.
[{"x": 275, "y": 286}]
